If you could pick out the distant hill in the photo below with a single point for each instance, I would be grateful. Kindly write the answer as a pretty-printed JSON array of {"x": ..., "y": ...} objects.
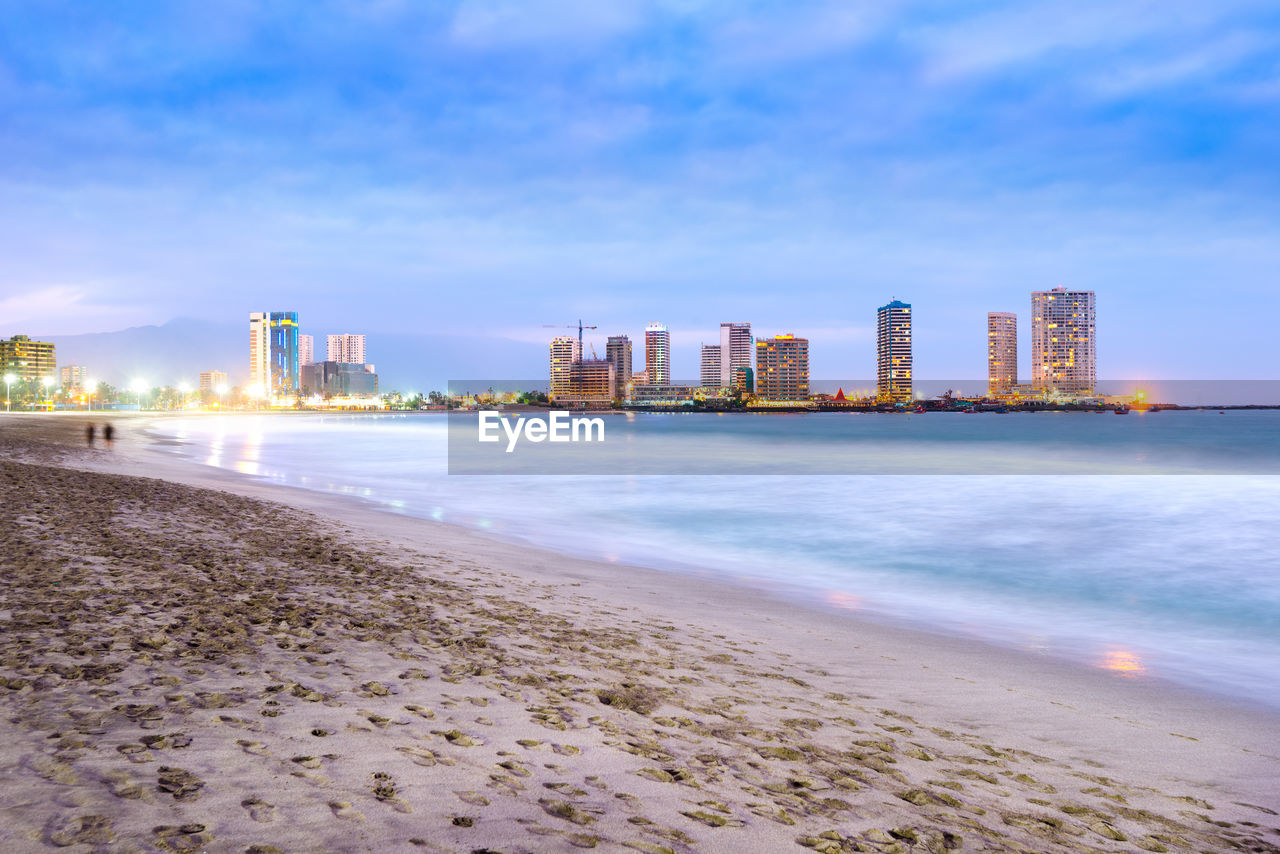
[{"x": 180, "y": 349}]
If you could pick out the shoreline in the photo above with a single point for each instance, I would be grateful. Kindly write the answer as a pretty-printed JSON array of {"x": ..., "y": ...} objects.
[{"x": 1135, "y": 734}]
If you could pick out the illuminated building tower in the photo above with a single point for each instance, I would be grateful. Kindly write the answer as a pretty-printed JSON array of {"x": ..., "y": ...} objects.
[
  {"x": 782, "y": 368},
  {"x": 711, "y": 357},
  {"x": 565, "y": 352},
  {"x": 27, "y": 360},
  {"x": 73, "y": 377},
  {"x": 284, "y": 353},
  {"x": 259, "y": 352},
  {"x": 1063, "y": 352},
  {"x": 618, "y": 351},
  {"x": 1002, "y": 352},
  {"x": 306, "y": 349},
  {"x": 735, "y": 351},
  {"x": 345, "y": 349},
  {"x": 893, "y": 351},
  {"x": 657, "y": 354}
]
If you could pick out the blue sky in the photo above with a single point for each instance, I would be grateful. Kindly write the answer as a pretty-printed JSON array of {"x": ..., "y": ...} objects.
[{"x": 486, "y": 167}]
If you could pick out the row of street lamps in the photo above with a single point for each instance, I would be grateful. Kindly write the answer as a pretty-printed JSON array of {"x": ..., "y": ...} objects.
[{"x": 138, "y": 387}]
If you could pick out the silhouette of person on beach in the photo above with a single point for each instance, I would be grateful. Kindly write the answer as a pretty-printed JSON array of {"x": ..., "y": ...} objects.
[
  {"x": 88, "y": 435},
  {"x": 108, "y": 433}
]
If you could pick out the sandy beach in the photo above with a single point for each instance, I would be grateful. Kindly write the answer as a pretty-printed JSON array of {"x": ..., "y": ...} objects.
[{"x": 195, "y": 661}]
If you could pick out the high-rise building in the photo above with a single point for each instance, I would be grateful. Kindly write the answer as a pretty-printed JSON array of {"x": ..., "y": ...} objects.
[
  {"x": 711, "y": 357},
  {"x": 1002, "y": 352},
  {"x": 782, "y": 368},
  {"x": 744, "y": 380},
  {"x": 565, "y": 351},
  {"x": 346, "y": 348},
  {"x": 211, "y": 381},
  {"x": 1063, "y": 350},
  {"x": 735, "y": 351},
  {"x": 73, "y": 377},
  {"x": 306, "y": 349},
  {"x": 284, "y": 353},
  {"x": 27, "y": 360},
  {"x": 618, "y": 351},
  {"x": 259, "y": 353},
  {"x": 591, "y": 381},
  {"x": 657, "y": 354},
  {"x": 893, "y": 351}
]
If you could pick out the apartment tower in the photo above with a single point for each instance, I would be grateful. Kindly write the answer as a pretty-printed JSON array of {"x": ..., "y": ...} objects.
[
  {"x": 306, "y": 349},
  {"x": 735, "y": 351},
  {"x": 618, "y": 351},
  {"x": 782, "y": 368},
  {"x": 566, "y": 350},
  {"x": 893, "y": 351},
  {"x": 1063, "y": 351},
  {"x": 1002, "y": 352},
  {"x": 284, "y": 353},
  {"x": 657, "y": 354},
  {"x": 712, "y": 356},
  {"x": 345, "y": 349},
  {"x": 259, "y": 352}
]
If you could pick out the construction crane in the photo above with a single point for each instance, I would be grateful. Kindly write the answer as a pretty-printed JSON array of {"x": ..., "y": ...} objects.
[{"x": 579, "y": 327}]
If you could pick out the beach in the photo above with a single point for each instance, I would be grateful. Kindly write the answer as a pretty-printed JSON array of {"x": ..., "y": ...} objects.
[{"x": 198, "y": 661}]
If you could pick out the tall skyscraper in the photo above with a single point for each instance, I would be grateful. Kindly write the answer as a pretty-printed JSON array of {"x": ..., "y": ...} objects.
[
  {"x": 284, "y": 353},
  {"x": 618, "y": 351},
  {"x": 782, "y": 368},
  {"x": 735, "y": 351},
  {"x": 306, "y": 349},
  {"x": 657, "y": 354},
  {"x": 1063, "y": 351},
  {"x": 259, "y": 353},
  {"x": 565, "y": 351},
  {"x": 1002, "y": 352},
  {"x": 893, "y": 351},
  {"x": 346, "y": 349},
  {"x": 712, "y": 356}
]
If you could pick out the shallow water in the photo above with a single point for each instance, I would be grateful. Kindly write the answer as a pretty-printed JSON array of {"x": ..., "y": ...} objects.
[{"x": 1173, "y": 575}]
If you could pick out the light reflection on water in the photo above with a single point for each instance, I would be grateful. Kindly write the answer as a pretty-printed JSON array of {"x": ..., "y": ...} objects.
[{"x": 1171, "y": 576}]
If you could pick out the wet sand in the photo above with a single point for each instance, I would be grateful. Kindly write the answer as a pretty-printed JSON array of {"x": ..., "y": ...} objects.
[{"x": 193, "y": 661}]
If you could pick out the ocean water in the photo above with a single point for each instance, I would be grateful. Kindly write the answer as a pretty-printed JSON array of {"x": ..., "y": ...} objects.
[{"x": 1168, "y": 568}]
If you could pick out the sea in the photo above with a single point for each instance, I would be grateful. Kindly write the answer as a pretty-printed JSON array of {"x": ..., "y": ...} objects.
[{"x": 1147, "y": 546}]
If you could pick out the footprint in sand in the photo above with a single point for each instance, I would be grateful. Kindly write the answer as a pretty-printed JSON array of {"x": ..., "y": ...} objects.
[
  {"x": 259, "y": 810},
  {"x": 344, "y": 810},
  {"x": 256, "y": 748}
]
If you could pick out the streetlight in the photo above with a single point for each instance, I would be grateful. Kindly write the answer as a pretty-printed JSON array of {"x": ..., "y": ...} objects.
[
  {"x": 89, "y": 386},
  {"x": 138, "y": 387},
  {"x": 184, "y": 388},
  {"x": 48, "y": 384},
  {"x": 8, "y": 381},
  {"x": 222, "y": 392}
]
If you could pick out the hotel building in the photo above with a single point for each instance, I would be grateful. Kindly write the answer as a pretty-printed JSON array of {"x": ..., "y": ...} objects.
[
  {"x": 657, "y": 354},
  {"x": 1002, "y": 352},
  {"x": 735, "y": 351},
  {"x": 259, "y": 352},
  {"x": 346, "y": 348},
  {"x": 1063, "y": 351},
  {"x": 565, "y": 351},
  {"x": 284, "y": 353},
  {"x": 29, "y": 361},
  {"x": 782, "y": 368},
  {"x": 618, "y": 351},
  {"x": 711, "y": 358},
  {"x": 893, "y": 351}
]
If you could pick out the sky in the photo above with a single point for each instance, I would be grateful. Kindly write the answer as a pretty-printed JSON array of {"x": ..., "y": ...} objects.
[{"x": 485, "y": 167}]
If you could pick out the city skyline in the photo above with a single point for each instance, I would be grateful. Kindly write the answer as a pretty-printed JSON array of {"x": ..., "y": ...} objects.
[{"x": 1139, "y": 156}]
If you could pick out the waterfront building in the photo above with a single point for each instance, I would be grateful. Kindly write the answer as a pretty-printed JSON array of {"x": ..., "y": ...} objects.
[
  {"x": 27, "y": 360},
  {"x": 346, "y": 348},
  {"x": 893, "y": 351},
  {"x": 657, "y": 354},
  {"x": 735, "y": 351},
  {"x": 74, "y": 377},
  {"x": 565, "y": 351},
  {"x": 211, "y": 381},
  {"x": 339, "y": 379},
  {"x": 591, "y": 381},
  {"x": 711, "y": 357},
  {"x": 618, "y": 351},
  {"x": 744, "y": 380},
  {"x": 259, "y": 352},
  {"x": 1063, "y": 351},
  {"x": 639, "y": 378},
  {"x": 284, "y": 353},
  {"x": 1002, "y": 352},
  {"x": 782, "y": 368},
  {"x": 306, "y": 349}
]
